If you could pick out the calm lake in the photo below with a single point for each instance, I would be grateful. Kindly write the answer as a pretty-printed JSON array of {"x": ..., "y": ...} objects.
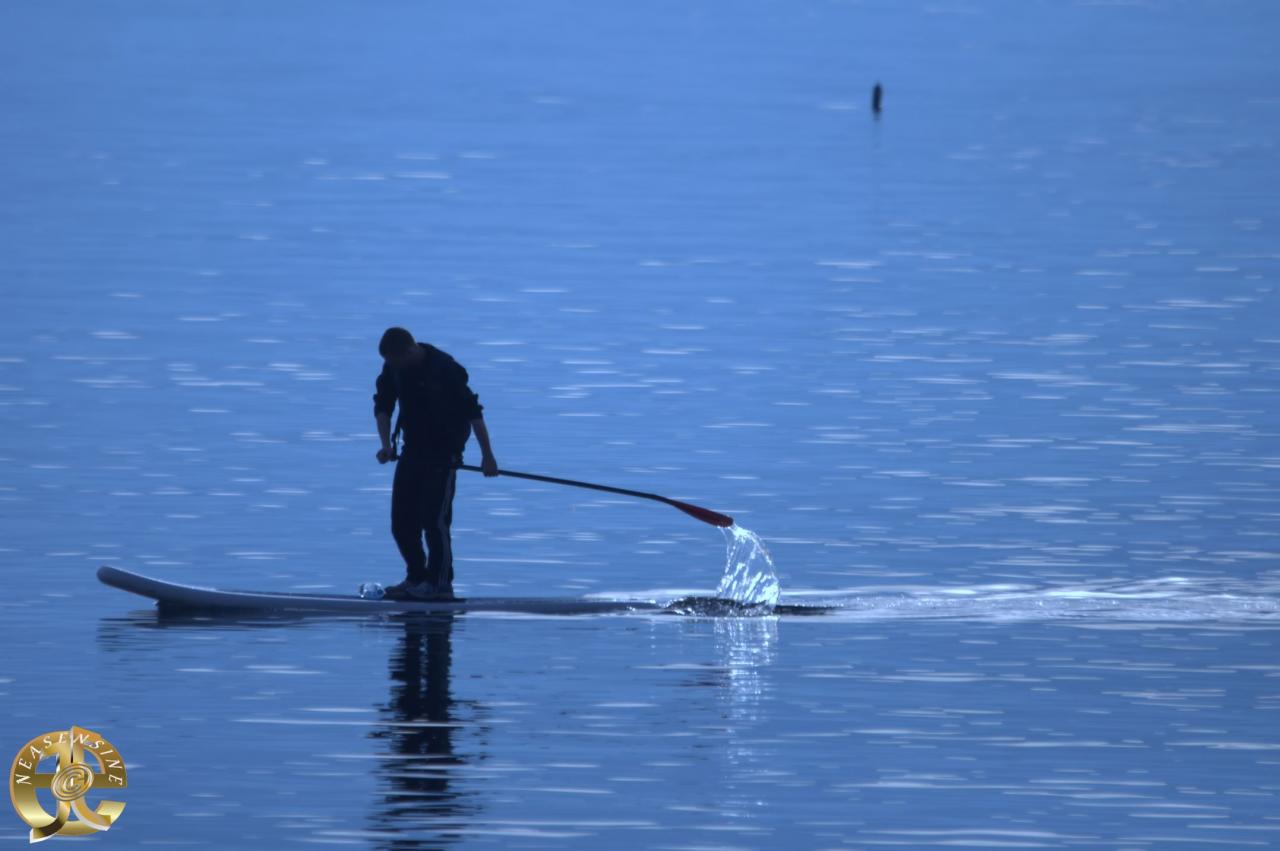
[{"x": 995, "y": 376}]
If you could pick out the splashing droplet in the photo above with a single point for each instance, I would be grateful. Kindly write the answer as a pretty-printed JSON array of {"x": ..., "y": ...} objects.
[{"x": 749, "y": 576}]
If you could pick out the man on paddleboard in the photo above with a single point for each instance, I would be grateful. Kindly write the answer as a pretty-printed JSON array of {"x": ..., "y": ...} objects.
[{"x": 438, "y": 412}]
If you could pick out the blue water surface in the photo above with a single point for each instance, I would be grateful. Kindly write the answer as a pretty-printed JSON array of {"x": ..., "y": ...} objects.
[{"x": 994, "y": 376}]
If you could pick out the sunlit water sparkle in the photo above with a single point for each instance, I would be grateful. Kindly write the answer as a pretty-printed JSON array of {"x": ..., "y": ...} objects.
[
  {"x": 995, "y": 377},
  {"x": 749, "y": 575}
]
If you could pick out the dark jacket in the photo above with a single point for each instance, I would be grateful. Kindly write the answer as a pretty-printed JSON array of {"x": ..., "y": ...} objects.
[{"x": 436, "y": 405}]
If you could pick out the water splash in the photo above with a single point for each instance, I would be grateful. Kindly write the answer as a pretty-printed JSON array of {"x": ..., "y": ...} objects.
[
  {"x": 1119, "y": 603},
  {"x": 749, "y": 578}
]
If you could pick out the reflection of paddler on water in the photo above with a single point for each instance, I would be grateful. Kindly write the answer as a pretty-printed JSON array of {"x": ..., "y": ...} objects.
[{"x": 418, "y": 790}]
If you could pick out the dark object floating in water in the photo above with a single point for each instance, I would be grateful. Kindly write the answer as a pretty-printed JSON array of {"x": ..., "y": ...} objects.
[{"x": 176, "y": 597}]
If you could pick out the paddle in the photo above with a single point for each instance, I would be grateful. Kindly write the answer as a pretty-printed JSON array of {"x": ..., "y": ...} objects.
[{"x": 706, "y": 515}]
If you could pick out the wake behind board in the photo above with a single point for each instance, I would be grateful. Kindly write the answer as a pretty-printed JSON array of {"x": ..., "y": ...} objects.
[{"x": 173, "y": 596}]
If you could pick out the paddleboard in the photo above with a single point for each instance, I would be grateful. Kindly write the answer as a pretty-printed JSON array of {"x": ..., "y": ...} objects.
[{"x": 174, "y": 596}]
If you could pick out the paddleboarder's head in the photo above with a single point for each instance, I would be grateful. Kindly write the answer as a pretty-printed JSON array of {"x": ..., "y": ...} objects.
[{"x": 397, "y": 347}]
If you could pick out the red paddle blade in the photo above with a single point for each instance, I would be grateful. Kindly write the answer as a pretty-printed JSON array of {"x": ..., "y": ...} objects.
[{"x": 706, "y": 515}]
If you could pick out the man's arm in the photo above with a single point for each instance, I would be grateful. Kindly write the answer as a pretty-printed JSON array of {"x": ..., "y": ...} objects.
[
  {"x": 384, "y": 434},
  {"x": 384, "y": 402},
  {"x": 472, "y": 410},
  {"x": 488, "y": 463}
]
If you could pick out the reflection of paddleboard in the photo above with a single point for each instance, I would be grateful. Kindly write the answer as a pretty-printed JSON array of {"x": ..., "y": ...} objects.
[{"x": 173, "y": 596}]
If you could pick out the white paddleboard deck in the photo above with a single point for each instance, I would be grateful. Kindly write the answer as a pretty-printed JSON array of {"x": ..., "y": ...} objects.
[{"x": 174, "y": 596}]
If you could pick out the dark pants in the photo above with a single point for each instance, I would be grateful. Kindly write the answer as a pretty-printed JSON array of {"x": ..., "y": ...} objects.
[{"x": 422, "y": 503}]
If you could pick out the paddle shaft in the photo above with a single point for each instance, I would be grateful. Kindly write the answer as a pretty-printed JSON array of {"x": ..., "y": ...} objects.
[
  {"x": 703, "y": 514},
  {"x": 570, "y": 482}
]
